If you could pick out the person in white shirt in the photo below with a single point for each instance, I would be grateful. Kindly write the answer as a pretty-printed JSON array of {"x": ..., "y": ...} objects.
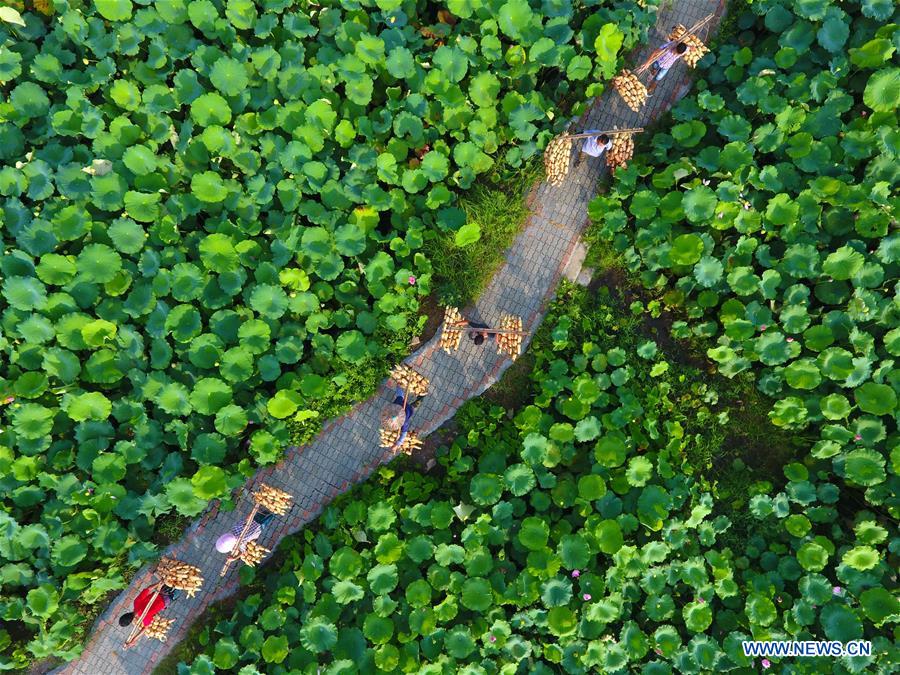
[{"x": 594, "y": 146}]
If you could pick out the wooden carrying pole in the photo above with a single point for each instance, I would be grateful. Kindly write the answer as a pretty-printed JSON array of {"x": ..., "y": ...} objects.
[
  {"x": 489, "y": 331},
  {"x": 659, "y": 52},
  {"x": 235, "y": 552},
  {"x": 138, "y": 628},
  {"x": 635, "y": 130}
]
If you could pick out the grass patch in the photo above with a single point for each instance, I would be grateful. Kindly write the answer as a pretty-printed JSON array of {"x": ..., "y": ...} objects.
[{"x": 497, "y": 204}]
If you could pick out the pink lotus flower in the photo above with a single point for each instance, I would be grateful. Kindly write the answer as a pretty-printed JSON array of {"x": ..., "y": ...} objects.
[
  {"x": 586, "y": 596},
  {"x": 857, "y": 437},
  {"x": 790, "y": 339},
  {"x": 837, "y": 590},
  {"x": 412, "y": 280},
  {"x": 493, "y": 638},
  {"x": 763, "y": 327},
  {"x": 576, "y": 574},
  {"x": 766, "y": 663}
]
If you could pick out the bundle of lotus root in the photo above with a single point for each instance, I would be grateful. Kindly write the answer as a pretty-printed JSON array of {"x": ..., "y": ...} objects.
[
  {"x": 510, "y": 343},
  {"x": 159, "y": 628},
  {"x": 450, "y": 335},
  {"x": 621, "y": 151},
  {"x": 631, "y": 89},
  {"x": 409, "y": 379},
  {"x": 388, "y": 437},
  {"x": 273, "y": 499},
  {"x": 180, "y": 575},
  {"x": 557, "y": 156},
  {"x": 410, "y": 444},
  {"x": 696, "y": 50},
  {"x": 252, "y": 553}
]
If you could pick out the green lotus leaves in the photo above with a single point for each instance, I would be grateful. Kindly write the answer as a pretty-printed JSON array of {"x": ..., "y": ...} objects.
[
  {"x": 346, "y": 592},
  {"x": 708, "y": 271},
  {"x": 231, "y": 420},
  {"x": 87, "y": 406},
  {"x": 514, "y": 18},
  {"x": 476, "y": 594},
  {"x": 877, "y": 399},
  {"x": 68, "y": 551},
  {"x": 485, "y": 489},
  {"x": 639, "y": 471},
  {"x": 812, "y": 556},
  {"x": 561, "y": 621},
  {"x": 534, "y": 533},
  {"x": 607, "y": 44},
  {"x": 32, "y": 420},
  {"x": 699, "y": 204},
  {"x": 609, "y": 536},
  {"x": 802, "y": 374},
  {"x": 836, "y": 363},
  {"x": 210, "y": 109},
  {"x": 236, "y": 245},
  {"x": 97, "y": 333},
  {"x": 519, "y": 479},
  {"x": 882, "y": 93},
  {"x": 840, "y": 623},
  {"x": 686, "y": 249},
  {"x": 208, "y": 187},
  {"x": 610, "y": 451},
  {"x": 843, "y": 263},
  {"x": 864, "y": 467},
  {"x": 591, "y": 487},
  {"x": 42, "y": 601},
  {"x": 180, "y": 493},
  {"x": 879, "y": 604}
]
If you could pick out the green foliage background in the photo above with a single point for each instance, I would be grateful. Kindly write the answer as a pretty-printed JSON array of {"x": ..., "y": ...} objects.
[
  {"x": 211, "y": 214},
  {"x": 584, "y": 535}
]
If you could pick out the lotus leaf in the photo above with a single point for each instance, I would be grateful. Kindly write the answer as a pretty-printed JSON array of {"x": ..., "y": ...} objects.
[{"x": 877, "y": 399}]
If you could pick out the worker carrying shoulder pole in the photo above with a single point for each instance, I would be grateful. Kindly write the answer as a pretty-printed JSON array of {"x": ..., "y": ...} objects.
[
  {"x": 165, "y": 597},
  {"x": 673, "y": 52},
  {"x": 225, "y": 543},
  {"x": 594, "y": 146},
  {"x": 398, "y": 414}
]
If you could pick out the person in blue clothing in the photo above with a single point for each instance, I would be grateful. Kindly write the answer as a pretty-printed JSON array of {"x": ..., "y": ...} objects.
[
  {"x": 398, "y": 416},
  {"x": 594, "y": 146}
]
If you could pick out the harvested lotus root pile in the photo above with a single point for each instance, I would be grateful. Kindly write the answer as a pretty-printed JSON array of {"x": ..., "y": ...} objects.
[
  {"x": 273, "y": 499},
  {"x": 631, "y": 89},
  {"x": 510, "y": 343},
  {"x": 696, "y": 50},
  {"x": 621, "y": 151},
  {"x": 388, "y": 437},
  {"x": 180, "y": 575},
  {"x": 253, "y": 554},
  {"x": 159, "y": 628},
  {"x": 410, "y": 380},
  {"x": 410, "y": 444},
  {"x": 557, "y": 157},
  {"x": 450, "y": 338}
]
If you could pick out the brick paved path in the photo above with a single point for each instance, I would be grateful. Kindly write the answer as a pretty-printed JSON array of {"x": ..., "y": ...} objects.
[{"x": 346, "y": 451}]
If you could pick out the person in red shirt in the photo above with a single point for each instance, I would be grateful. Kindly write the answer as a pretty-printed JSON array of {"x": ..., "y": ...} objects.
[{"x": 161, "y": 601}]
